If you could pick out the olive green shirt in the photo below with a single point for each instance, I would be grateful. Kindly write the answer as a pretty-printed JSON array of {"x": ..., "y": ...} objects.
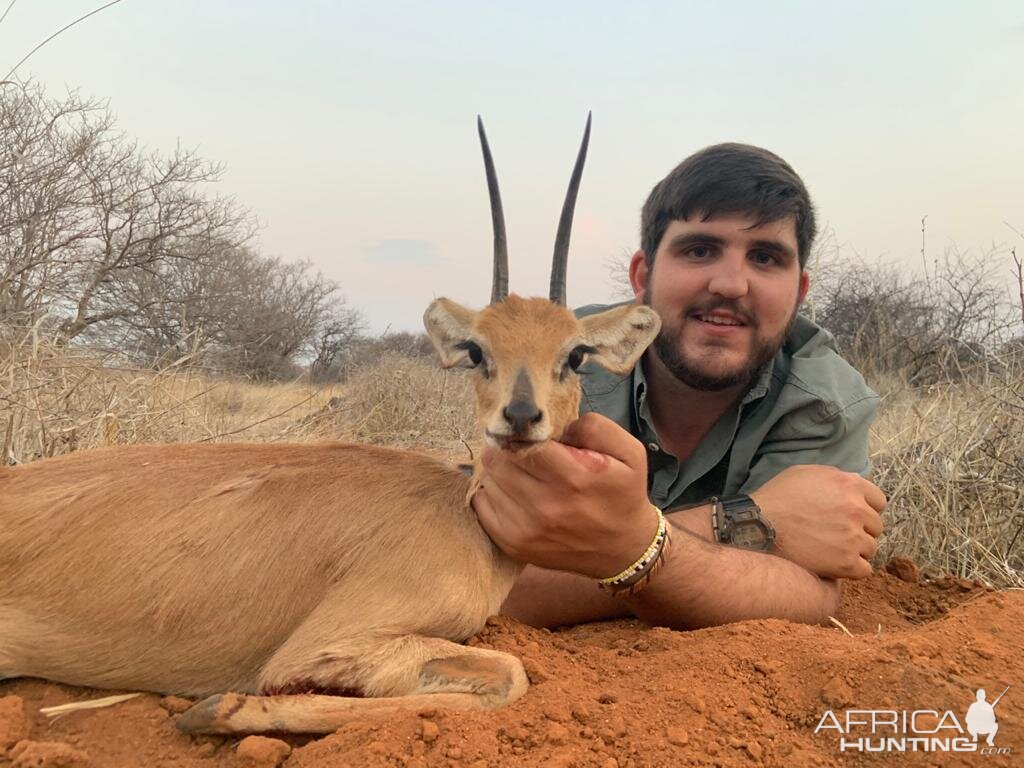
[{"x": 807, "y": 406}]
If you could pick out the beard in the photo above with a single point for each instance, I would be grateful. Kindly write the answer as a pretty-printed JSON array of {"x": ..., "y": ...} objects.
[{"x": 702, "y": 376}]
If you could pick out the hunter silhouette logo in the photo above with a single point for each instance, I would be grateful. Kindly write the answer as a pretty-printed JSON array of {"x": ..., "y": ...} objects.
[
  {"x": 981, "y": 717},
  {"x": 918, "y": 730}
]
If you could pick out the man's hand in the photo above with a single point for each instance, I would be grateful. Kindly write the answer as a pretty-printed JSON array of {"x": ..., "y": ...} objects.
[
  {"x": 826, "y": 520},
  {"x": 579, "y": 505}
]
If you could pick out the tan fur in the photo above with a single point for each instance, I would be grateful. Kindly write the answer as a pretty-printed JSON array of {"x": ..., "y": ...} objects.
[{"x": 202, "y": 569}]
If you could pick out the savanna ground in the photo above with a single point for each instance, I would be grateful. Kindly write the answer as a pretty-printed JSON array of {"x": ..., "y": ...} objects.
[{"x": 921, "y": 634}]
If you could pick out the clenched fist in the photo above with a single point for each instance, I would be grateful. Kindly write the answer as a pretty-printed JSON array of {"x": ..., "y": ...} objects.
[
  {"x": 579, "y": 505},
  {"x": 826, "y": 520}
]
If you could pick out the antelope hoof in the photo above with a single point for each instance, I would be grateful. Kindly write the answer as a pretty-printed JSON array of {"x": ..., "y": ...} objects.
[{"x": 200, "y": 717}]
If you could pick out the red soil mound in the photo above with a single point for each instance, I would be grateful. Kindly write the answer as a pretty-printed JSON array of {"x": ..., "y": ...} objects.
[{"x": 625, "y": 695}]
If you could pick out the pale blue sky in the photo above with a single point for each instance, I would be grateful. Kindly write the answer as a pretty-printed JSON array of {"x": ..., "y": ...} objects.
[{"x": 349, "y": 128}]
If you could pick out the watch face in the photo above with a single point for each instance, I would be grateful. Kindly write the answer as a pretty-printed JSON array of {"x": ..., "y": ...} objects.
[{"x": 750, "y": 534}]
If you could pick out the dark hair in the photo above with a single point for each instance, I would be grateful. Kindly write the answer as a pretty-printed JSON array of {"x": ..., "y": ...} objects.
[{"x": 729, "y": 178}]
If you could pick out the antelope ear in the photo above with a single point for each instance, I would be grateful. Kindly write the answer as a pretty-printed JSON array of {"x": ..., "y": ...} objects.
[
  {"x": 620, "y": 335},
  {"x": 448, "y": 325}
]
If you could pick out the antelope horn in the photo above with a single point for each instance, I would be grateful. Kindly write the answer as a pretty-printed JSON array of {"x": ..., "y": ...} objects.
[
  {"x": 499, "y": 287},
  {"x": 561, "y": 256}
]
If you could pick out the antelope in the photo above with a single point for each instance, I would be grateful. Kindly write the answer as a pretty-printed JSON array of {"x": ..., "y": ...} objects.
[{"x": 296, "y": 587}]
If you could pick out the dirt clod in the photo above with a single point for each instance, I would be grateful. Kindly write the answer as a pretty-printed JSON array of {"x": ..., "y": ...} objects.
[
  {"x": 904, "y": 569},
  {"x": 677, "y": 736},
  {"x": 14, "y": 725},
  {"x": 47, "y": 754},
  {"x": 205, "y": 750},
  {"x": 429, "y": 731},
  {"x": 536, "y": 672},
  {"x": 263, "y": 752},
  {"x": 557, "y": 713},
  {"x": 837, "y": 693},
  {"x": 557, "y": 734},
  {"x": 176, "y": 705}
]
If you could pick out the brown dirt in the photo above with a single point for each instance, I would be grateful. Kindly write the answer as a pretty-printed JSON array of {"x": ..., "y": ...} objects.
[{"x": 622, "y": 694}]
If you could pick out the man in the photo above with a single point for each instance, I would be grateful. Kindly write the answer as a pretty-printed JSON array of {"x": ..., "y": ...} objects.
[{"x": 739, "y": 397}]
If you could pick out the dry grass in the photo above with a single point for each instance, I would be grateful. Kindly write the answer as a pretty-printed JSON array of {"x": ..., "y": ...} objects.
[
  {"x": 58, "y": 399},
  {"x": 950, "y": 457},
  {"x": 951, "y": 460},
  {"x": 407, "y": 402}
]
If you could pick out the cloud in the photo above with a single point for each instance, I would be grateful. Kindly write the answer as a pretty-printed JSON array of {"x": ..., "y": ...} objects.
[{"x": 418, "y": 253}]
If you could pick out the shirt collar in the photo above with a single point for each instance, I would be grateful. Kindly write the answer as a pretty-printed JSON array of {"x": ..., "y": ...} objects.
[
  {"x": 761, "y": 384},
  {"x": 640, "y": 407}
]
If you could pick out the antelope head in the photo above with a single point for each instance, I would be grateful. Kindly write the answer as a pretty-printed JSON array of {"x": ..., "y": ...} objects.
[{"x": 526, "y": 352}]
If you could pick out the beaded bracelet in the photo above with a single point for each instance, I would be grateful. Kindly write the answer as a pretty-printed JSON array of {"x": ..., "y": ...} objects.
[{"x": 636, "y": 576}]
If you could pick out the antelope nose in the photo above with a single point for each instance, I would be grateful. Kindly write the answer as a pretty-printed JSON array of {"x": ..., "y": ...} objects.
[{"x": 520, "y": 414}]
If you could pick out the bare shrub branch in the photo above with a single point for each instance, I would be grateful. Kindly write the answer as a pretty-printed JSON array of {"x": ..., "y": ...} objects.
[{"x": 104, "y": 243}]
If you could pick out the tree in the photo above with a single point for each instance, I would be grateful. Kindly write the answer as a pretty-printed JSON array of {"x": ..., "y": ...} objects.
[
  {"x": 340, "y": 328},
  {"x": 923, "y": 328},
  {"x": 81, "y": 207},
  {"x": 104, "y": 242}
]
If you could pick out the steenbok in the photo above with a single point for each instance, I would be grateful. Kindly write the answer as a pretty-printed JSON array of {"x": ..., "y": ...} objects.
[{"x": 251, "y": 573}]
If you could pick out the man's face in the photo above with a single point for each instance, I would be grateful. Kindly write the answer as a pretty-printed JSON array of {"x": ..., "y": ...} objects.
[{"x": 727, "y": 293}]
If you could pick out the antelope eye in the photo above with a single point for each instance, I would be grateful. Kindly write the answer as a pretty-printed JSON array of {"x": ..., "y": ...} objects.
[
  {"x": 476, "y": 354},
  {"x": 577, "y": 356}
]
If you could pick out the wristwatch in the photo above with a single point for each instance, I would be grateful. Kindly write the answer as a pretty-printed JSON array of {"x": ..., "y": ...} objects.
[{"x": 738, "y": 522}]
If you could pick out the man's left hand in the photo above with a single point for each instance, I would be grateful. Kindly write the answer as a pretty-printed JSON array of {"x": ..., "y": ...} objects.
[{"x": 578, "y": 505}]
